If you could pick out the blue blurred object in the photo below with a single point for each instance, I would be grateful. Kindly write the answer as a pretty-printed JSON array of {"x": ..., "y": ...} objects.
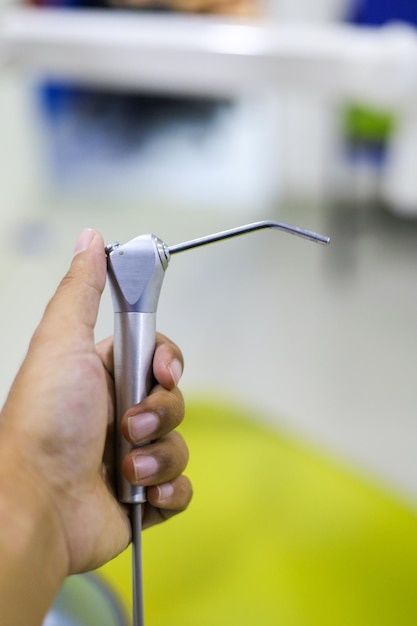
[
  {"x": 90, "y": 131},
  {"x": 379, "y": 12}
]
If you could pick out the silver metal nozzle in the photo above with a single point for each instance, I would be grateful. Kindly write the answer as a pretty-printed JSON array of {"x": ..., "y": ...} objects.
[{"x": 249, "y": 228}]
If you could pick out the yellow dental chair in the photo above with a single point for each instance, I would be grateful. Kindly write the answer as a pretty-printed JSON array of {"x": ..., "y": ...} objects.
[{"x": 277, "y": 534}]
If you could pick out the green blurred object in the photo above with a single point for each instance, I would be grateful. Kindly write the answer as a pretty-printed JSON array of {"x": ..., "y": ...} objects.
[
  {"x": 362, "y": 123},
  {"x": 278, "y": 533}
]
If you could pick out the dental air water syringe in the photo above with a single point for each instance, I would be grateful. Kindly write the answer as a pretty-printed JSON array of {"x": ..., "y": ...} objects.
[{"x": 136, "y": 270}]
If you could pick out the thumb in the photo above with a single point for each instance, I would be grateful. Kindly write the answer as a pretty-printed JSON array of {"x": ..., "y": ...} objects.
[{"x": 72, "y": 312}]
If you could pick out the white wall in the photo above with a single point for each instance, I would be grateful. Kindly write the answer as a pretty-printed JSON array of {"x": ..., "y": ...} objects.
[{"x": 302, "y": 10}]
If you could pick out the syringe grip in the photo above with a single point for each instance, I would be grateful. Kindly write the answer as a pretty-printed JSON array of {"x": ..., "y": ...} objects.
[{"x": 134, "y": 346}]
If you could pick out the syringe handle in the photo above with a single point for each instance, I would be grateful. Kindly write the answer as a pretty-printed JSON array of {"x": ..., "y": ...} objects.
[{"x": 134, "y": 346}]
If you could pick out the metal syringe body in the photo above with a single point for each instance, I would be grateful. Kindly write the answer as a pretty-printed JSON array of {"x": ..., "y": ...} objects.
[{"x": 135, "y": 271}]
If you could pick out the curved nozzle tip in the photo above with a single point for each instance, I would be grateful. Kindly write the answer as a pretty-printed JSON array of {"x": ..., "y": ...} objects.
[{"x": 249, "y": 228}]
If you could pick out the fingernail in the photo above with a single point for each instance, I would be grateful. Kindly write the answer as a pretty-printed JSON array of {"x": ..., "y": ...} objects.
[
  {"x": 175, "y": 369},
  {"x": 142, "y": 426},
  {"x": 144, "y": 466},
  {"x": 165, "y": 491},
  {"x": 84, "y": 240}
]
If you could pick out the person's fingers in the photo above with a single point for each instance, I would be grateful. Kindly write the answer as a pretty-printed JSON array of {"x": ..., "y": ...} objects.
[
  {"x": 72, "y": 312},
  {"x": 168, "y": 362},
  {"x": 154, "y": 417},
  {"x": 166, "y": 500},
  {"x": 157, "y": 462}
]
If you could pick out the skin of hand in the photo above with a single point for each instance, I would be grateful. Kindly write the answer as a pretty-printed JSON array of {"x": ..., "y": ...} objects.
[
  {"x": 58, "y": 514},
  {"x": 238, "y": 8}
]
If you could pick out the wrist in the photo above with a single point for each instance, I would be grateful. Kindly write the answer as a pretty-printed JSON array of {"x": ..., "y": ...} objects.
[{"x": 33, "y": 553}]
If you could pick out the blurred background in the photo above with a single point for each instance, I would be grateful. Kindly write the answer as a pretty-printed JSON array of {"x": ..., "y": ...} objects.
[{"x": 270, "y": 109}]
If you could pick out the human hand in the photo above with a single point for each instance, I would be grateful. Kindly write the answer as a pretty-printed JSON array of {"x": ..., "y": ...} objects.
[
  {"x": 60, "y": 410},
  {"x": 154, "y": 420}
]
